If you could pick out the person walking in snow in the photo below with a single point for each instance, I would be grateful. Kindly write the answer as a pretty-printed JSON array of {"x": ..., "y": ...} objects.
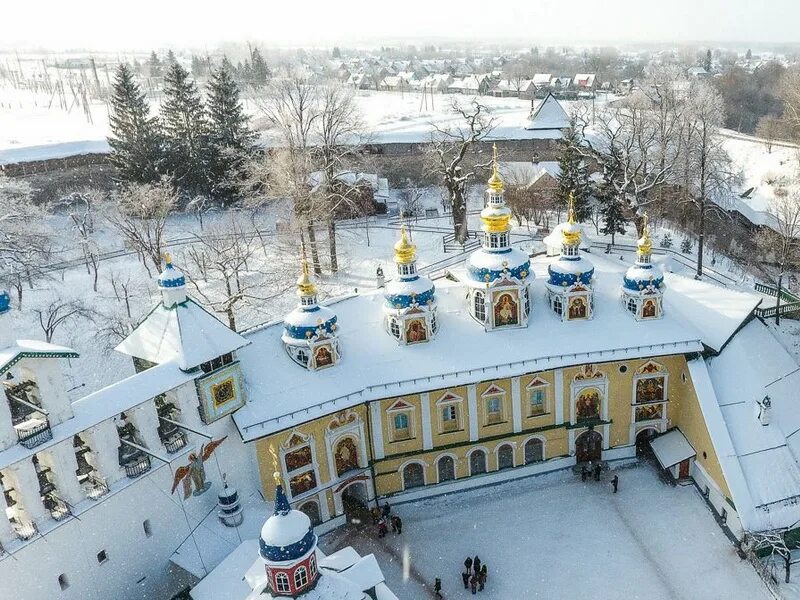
[
  {"x": 597, "y": 470},
  {"x": 468, "y": 564},
  {"x": 382, "y": 528},
  {"x": 393, "y": 523},
  {"x": 386, "y": 510},
  {"x": 397, "y": 524},
  {"x": 465, "y": 579},
  {"x": 584, "y": 473},
  {"x": 482, "y": 578},
  {"x": 615, "y": 483},
  {"x": 473, "y": 584},
  {"x": 437, "y": 587},
  {"x": 476, "y": 564}
]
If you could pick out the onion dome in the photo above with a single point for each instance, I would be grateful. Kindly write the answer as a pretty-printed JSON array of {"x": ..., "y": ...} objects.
[
  {"x": 409, "y": 288},
  {"x": 571, "y": 268},
  {"x": 172, "y": 283},
  {"x": 308, "y": 319},
  {"x": 496, "y": 259},
  {"x": 643, "y": 274},
  {"x": 287, "y": 535}
]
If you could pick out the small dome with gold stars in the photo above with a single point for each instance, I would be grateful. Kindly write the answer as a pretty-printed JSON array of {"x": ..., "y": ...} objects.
[
  {"x": 408, "y": 289},
  {"x": 308, "y": 319}
]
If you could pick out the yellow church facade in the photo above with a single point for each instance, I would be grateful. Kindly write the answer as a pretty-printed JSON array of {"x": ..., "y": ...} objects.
[{"x": 521, "y": 426}]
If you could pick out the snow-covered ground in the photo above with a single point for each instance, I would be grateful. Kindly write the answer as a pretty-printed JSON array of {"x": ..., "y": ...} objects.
[{"x": 555, "y": 537}]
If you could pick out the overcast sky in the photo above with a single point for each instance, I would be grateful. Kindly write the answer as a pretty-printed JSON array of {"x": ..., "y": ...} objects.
[{"x": 143, "y": 24}]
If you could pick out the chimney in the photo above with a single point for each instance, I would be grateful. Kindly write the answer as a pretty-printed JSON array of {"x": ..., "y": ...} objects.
[{"x": 763, "y": 410}]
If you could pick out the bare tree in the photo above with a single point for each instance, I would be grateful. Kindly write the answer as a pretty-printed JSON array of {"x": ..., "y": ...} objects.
[
  {"x": 59, "y": 312},
  {"x": 411, "y": 201},
  {"x": 449, "y": 146},
  {"x": 779, "y": 241},
  {"x": 710, "y": 176},
  {"x": 140, "y": 216},
  {"x": 199, "y": 206},
  {"x": 81, "y": 208},
  {"x": 231, "y": 273},
  {"x": 769, "y": 128}
]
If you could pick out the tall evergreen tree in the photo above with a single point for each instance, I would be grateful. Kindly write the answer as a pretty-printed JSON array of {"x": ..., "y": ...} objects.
[
  {"x": 154, "y": 65},
  {"x": 707, "y": 61},
  {"x": 186, "y": 131},
  {"x": 135, "y": 140},
  {"x": 573, "y": 178},
  {"x": 259, "y": 69},
  {"x": 231, "y": 139},
  {"x": 612, "y": 211}
]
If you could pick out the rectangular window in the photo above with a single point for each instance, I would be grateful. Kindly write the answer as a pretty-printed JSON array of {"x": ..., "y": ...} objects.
[
  {"x": 401, "y": 428},
  {"x": 102, "y": 557},
  {"x": 537, "y": 402},
  {"x": 494, "y": 410},
  {"x": 449, "y": 418}
]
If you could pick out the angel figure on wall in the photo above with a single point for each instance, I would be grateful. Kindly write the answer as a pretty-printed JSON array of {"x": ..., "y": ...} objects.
[{"x": 194, "y": 474}]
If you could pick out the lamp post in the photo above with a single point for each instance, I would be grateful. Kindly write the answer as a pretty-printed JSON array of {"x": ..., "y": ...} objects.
[{"x": 778, "y": 300}]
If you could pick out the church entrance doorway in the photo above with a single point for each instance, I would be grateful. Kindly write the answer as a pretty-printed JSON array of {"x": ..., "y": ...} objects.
[
  {"x": 354, "y": 501},
  {"x": 588, "y": 446},
  {"x": 643, "y": 438}
]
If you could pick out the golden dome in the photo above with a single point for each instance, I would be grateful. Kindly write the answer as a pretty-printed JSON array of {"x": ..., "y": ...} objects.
[
  {"x": 495, "y": 218},
  {"x": 644, "y": 243},
  {"x": 571, "y": 231},
  {"x": 495, "y": 181},
  {"x": 404, "y": 251},
  {"x": 306, "y": 285}
]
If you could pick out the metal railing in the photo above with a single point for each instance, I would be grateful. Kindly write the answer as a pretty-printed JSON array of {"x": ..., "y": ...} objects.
[
  {"x": 138, "y": 467},
  {"x": 770, "y": 290},
  {"x": 792, "y": 308},
  {"x": 36, "y": 435},
  {"x": 175, "y": 443}
]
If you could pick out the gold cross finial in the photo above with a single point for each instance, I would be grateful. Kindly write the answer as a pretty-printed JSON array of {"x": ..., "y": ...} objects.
[
  {"x": 167, "y": 258},
  {"x": 571, "y": 208},
  {"x": 495, "y": 181}
]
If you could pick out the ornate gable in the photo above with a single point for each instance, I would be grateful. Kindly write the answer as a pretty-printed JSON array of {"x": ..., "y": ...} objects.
[
  {"x": 493, "y": 390},
  {"x": 537, "y": 382},
  {"x": 297, "y": 438},
  {"x": 650, "y": 367},
  {"x": 400, "y": 404},
  {"x": 448, "y": 397},
  {"x": 589, "y": 371}
]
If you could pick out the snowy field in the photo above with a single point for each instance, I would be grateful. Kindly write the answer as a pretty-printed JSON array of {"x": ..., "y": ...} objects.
[{"x": 555, "y": 537}]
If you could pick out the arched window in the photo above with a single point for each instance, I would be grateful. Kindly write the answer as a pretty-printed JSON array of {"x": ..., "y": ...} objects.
[
  {"x": 505, "y": 457},
  {"x": 477, "y": 462},
  {"x": 534, "y": 451},
  {"x": 311, "y": 508},
  {"x": 394, "y": 328},
  {"x": 300, "y": 577},
  {"x": 557, "y": 305},
  {"x": 346, "y": 456},
  {"x": 312, "y": 566},
  {"x": 447, "y": 468},
  {"x": 632, "y": 305},
  {"x": 282, "y": 582},
  {"x": 527, "y": 298},
  {"x": 434, "y": 322},
  {"x": 480, "y": 307},
  {"x": 413, "y": 476}
]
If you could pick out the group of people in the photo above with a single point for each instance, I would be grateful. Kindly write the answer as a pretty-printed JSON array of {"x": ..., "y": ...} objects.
[
  {"x": 383, "y": 518},
  {"x": 595, "y": 471},
  {"x": 474, "y": 575}
]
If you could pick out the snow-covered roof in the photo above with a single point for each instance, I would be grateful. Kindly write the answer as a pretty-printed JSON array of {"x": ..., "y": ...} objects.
[
  {"x": 548, "y": 115},
  {"x": 761, "y": 464},
  {"x": 555, "y": 238},
  {"x": 374, "y": 366},
  {"x": 527, "y": 173},
  {"x": 584, "y": 80},
  {"x": 186, "y": 334},
  {"x": 540, "y": 79},
  {"x": 32, "y": 349},
  {"x": 231, "y": 571},
  {"x": 672, "y": 448}
]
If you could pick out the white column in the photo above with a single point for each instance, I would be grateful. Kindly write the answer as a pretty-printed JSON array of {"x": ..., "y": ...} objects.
[
  {"x": 516, "y": 405},
  {"x": 377, "y": 430},
  {"x": 558, "y": 396},
  {"x": 7, "y": 533},
  {"x": 104, "y": 442},
  {"x": 64, "y": 466},
  {"x": 472, "y": 402},
  {"x": 52, "y": 388},
  {"x": 145, "y": 418},
  {"x": 8, "y": 436},
  {"x": 427, "y": 438},
  {"x": 28, "y": 491}
]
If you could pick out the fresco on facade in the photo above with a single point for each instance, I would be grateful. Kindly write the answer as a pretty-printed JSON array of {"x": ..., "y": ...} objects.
[
  {"x": 649, "y": 309},
  {"x": 323, "y": 356},
  {"x": 506, "y": 310},
  {"x": 577, "y": 308},
  {"x": 415, "y": 331},
  {"x": 588, "y": 405},
  {"x": 650, "y": 389},
  {"x": 346, "y": 456}
]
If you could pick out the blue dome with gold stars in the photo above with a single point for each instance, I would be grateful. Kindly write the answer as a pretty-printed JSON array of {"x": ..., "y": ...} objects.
[
  {"x": 409, "y": 288},
  {"x": 571, "y": 268},
  {"x": 643, "y": 274},
  {"x": 308, "y": 319}
]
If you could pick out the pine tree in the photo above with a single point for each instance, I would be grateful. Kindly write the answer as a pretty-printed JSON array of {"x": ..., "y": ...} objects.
[
  {"x": 686, "y": 245},
  {"x": 666, "y": 241},
  {"x": 336, "y": 53},
  {"x": 749, "y": 54},
  {"x": 612, "y": 211},
  {"x": 707, "y": 61},
  {"x": 171, "y": 58},
  {"x": 154, "y": 65},
  {"x": 260, "y": 71},
  {"x": 573, "y": 178},
  {"x": 186, "y": 131},
  {"x": 199, "y": 67},
  {"x": 135, "y": 139},
  {"x": 229, "y": 133}
]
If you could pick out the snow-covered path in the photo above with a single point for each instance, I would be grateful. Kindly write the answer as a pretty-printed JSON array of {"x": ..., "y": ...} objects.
[{"x": 556, "y": 537}]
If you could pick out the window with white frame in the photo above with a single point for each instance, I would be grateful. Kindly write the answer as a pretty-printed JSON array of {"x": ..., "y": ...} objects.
[
  {"x": 632, "y": 305},
  {"x": 300, "y": 577},
  {"x": 480, "y": 306},
  {"x": 402, "y": 426},
  {"x": 538, "y": 400},
  {"x": 527, "y": 297},
  {"x": 394, "y": 328},
  {"x": 312, "y": 565},
  {"x": 299, "y": 462},
  {"x": 434, "y": 322},
  {"x": 557, "y": 307},
  {"x": 282, "y": 583},
  {"x": 494, "y": 409},
  {"x": 449, "y": 417}
]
